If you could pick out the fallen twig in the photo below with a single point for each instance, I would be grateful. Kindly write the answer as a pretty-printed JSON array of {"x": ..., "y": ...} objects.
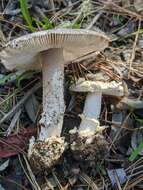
[
  {"x": 134, "y": 49},
  {"x": 13, "y": 122},
  {"x": 127, "y": 103}
]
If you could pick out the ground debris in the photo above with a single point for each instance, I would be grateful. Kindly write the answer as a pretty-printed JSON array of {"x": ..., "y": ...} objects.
[{"x": 122, "y": 61}]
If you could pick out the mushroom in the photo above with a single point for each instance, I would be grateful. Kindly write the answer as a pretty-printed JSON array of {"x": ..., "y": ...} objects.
[
  {"x": 89, "y": 144},
  {"x": 50, "y": 50}
]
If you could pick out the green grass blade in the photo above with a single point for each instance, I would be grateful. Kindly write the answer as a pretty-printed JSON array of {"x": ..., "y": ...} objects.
[
  {"x": 136, "y": 152},
  {"x": 24, "y": 76},
  {"x": 26, "y": 15},
  {"x": 47, "y": 23},
  {"x": 44, "y": 24},
  {"x": 6, "y": 78}
]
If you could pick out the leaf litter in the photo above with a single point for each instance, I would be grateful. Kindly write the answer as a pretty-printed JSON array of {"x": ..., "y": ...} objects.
[{"x": 20, "y": 100}]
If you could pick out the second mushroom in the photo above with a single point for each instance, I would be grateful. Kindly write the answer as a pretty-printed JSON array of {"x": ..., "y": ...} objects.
[{"x": 88, "y": 143}]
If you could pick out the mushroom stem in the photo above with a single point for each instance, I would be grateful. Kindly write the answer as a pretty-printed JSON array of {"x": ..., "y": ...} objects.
[
  {"x": 88, "y": 143},
  {"x": 53, "y": 93},
  {"x": 92, "y": 108}
]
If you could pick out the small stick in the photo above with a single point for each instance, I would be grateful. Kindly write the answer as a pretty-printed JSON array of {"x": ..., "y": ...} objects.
[
  {"x": 13, "y": 122},
  {"x": 53, "y": 6},
  {"x": 94, "y": 20},
  {"x": 134, "y": 50},
  {"x": 127, "y": 103}
]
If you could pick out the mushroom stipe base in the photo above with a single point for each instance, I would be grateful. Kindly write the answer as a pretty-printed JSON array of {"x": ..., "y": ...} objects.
[
  {"x": 90, "y": 148},
  {"x": 45, "y": 154}
]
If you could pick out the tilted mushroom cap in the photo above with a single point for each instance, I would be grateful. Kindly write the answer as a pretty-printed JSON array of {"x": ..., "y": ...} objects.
[
  {"x": 22, "y": 53},
  {"x": 108, "y": 88}
]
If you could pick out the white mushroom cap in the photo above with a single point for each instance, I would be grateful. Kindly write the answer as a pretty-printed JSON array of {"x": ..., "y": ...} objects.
[
  {"x": 22, "y": 53},
  {"x": 112, "y": 88}
]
